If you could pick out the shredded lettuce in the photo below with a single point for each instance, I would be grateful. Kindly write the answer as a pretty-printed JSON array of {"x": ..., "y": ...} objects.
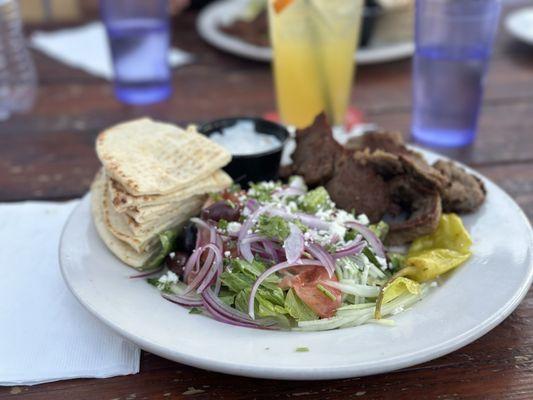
[
  {"x": 297, "y": 308},
  {"x": 380, "y": 229},
  {"x": 168, "y": 242}
]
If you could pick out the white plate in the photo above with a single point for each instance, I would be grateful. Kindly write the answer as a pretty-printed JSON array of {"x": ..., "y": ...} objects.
[
  {"x": 474, "y": 299},
  {"x": 520, "y": 24},
  {"x": 225, "y": 11}
]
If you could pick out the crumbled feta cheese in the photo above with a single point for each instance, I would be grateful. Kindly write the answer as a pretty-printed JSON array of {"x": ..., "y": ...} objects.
[
  {"x": 292, "y": 206},
  {"x": 433, "y": 284},
  {"x": 324, "y": 214},
  {"x": 172, "y": 254},
  {"x": 298, "y": 182},
  {"x": 227, "y": 253},
  {"x": 337, "y": 229},
  {"x": 341, "y": 217},
  {"x": 234, "y": 228},
  {"x": 363, "y": 219},
  {"x": 169, "y": 278}
]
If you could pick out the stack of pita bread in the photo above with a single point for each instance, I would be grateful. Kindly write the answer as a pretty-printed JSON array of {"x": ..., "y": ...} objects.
[{"x": 155, "y": 177}]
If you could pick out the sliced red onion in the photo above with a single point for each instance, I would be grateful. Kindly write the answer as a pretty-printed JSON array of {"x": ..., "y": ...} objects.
[
  {"x": 272, "y": 270},
  {"x": 351, "y": 250},
  {"x": 245, "y": 251},
  {"x": 289, "y": 191},
  {"x": 187, "y": 301},
  {"x": 191, "y": 262},
  {"x": 316, "y": 251},
  {"x": 252, "y": 204},
  {"x": 228, "y": 312},
  {"x": 369, "y": 236},
  {"x": 270, "y": 250},
  {"x": 201, "y": 223},
  {"x": 147, "y": 273},
  {"x": 294, "y": 244},
  {"x": 215, "y": 270},
  {"x": 254, "y": 237},
  {"x": 334, "y": 238},
  {"x": 309, "y": 220},
  {"x": 244, "y": 248},
  {"x": 250, "y": 221},
  {"x": 222, "y": 318},
  {"x": 207, "y": 268}
]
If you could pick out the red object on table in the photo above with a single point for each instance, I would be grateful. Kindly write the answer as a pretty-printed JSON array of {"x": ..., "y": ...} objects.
[{"x": 354, "y": 117}]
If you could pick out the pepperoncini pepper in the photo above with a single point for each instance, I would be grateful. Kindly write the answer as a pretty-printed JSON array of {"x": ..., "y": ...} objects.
[{"x": 431, "y": 256}]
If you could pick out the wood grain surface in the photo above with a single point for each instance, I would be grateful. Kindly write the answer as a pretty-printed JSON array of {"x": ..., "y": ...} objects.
[{"x": 49, "y": 154}]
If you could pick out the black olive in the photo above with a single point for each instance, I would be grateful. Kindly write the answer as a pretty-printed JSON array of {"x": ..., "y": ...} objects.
[
  {"x": 186, "y": 241},
  {"x": 221, "y": 210},
  {"x": 175, "y": 262}
]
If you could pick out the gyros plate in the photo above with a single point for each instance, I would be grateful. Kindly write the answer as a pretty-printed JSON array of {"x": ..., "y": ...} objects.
[{"x": 471, "y": 301}]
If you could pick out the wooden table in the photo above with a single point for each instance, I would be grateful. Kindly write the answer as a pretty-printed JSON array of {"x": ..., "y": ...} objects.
[{"x": 48, "y": 154}]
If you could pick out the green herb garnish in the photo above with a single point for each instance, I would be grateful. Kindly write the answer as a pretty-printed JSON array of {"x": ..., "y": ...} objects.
[
  {"x": 380, "y": 229},
  {"x": 195, "y": 310},
  {"x": 315, "y": 200},
  {"x": 222, "y": 224},
  {"x": 273, "y": 227},
  {"x": 302, "y": 349}
]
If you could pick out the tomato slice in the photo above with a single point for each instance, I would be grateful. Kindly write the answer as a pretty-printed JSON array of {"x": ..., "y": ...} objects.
[
  {"x": 305, "y": 284},
  {"x": 279, "y": 5}
]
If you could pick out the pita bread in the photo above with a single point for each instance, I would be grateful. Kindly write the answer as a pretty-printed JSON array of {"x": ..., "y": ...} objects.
[
  {"x": 122, "y": 250},
  {"x": 149, "y": 157},
  {"x": 129, "y": 226},
  {"x": 142, "y": 207},
  {"x": 146, "y": 239}
]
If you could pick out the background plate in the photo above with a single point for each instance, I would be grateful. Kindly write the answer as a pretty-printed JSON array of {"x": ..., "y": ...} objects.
[
  {"x": 471, "y": 301},
  {"x": 221, "y": 12},
  {"x": 520, "y": 24}
]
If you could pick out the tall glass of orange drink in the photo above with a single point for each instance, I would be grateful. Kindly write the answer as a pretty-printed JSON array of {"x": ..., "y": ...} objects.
[{"x": 314, "y": 42}]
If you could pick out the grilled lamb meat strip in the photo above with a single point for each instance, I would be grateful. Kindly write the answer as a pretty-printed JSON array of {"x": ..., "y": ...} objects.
[
  {"x": 387, "y": 152},
  {"x": 464, "y": 192},
  {"x": 421, "y": 206},
  {"x": 316, "y": 152},
  {"x": 356, "y": 186}
]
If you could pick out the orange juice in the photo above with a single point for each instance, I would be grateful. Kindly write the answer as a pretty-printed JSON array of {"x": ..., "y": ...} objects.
[{"x": 314, "y": 42}]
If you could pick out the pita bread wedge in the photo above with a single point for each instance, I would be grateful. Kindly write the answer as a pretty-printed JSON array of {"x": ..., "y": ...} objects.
[
  {"x": 120, "y": 249},
  {"x": 147, "y": 238},
  {"x": 128, "y": 226},
  {"x": 149, "y": 157},
  {"x": 135, "y": 205}
]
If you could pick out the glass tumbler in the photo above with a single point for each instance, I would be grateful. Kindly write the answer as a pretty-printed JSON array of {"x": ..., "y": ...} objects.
[
  {"x": 453, "y": 48},
  {"x": 313, "y": 44},
  {"x": 139, "y": 36}
]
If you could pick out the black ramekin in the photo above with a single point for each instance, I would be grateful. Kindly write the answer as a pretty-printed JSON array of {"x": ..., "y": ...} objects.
[{"x": 257, "y": 167}]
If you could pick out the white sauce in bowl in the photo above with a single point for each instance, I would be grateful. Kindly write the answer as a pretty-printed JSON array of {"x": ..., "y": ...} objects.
[{"x": 242, "y": 139}]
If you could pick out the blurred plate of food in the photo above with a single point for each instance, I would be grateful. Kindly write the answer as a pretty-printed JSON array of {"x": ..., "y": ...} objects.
[
  {"x": 240, "y": 27},
  {"x": 520, "y": 24}
]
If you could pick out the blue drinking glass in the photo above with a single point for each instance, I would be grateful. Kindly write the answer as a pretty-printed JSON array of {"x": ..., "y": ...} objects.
[
  {"x": 139, "y": 36},
  {"x": 453, "y": 47}
]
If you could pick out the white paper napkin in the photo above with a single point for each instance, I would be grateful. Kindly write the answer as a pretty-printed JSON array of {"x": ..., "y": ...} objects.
[
  {"x": 45, "y": 334},
  {"x": 87, "y": 48}
]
